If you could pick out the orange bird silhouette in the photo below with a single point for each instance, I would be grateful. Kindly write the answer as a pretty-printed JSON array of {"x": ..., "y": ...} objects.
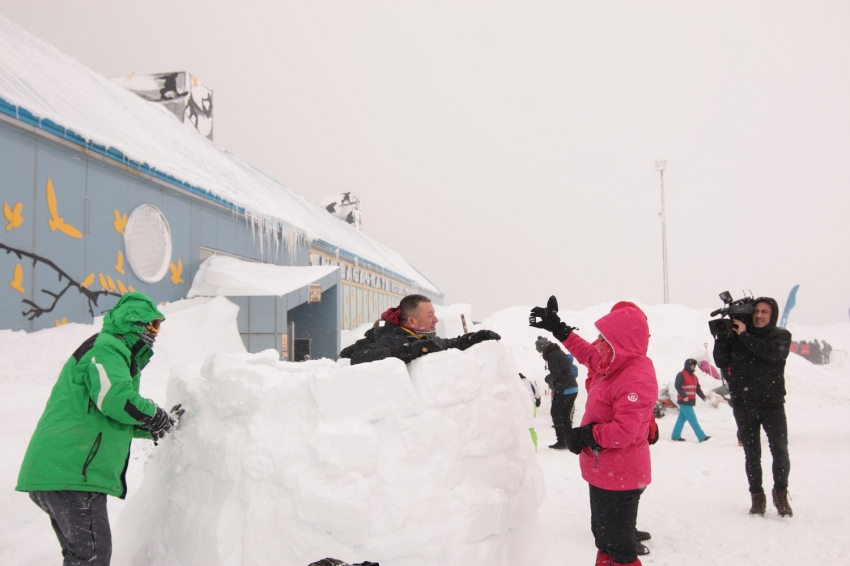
[
  {"x": 18, "y": 278},
  {"x": 13, "y": 215},
  {"x": 55, "y": 221}
]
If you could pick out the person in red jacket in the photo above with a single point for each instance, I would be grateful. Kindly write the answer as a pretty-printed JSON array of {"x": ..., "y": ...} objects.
[
  {"x": 687, "y": 385},
  {"x": 612, "y": 439}
]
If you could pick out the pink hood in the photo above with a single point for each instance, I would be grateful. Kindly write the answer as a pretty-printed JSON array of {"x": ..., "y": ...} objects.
[{"x": 620, "y": 402}]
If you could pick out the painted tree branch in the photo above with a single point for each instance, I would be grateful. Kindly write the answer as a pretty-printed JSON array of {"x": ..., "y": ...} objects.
[{"x": 35, "y": 310}]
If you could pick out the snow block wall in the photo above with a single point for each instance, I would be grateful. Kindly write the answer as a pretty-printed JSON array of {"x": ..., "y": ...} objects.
[{"x": 286, "y": 463}]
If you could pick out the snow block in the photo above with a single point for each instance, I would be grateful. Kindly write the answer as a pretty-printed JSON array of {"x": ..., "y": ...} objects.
[
  {"x": 365, "y": 392},
  {"x": 283, "y": 463},
  {"x": 445, "y": 378}
]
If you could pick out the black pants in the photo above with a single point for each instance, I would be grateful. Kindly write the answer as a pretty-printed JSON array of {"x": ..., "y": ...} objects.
[
  {"x": 562, "y": 414},
  {"x": 750, "y": 420},
  {"x": 81, "y": 524},
  {"x": 613, "y": 515}
]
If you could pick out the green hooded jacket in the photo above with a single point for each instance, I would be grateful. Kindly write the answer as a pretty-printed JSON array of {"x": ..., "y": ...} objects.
[{"x": 82, "y": 441}]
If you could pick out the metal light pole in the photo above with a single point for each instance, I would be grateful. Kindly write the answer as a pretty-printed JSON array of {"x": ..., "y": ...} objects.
[{"x": 660, "y": 166}]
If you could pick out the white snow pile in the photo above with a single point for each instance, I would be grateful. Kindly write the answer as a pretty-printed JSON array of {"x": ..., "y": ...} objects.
[
  {"x": 286, "y": 463},
  {"x": 283, "y": 463},
  {"x": 221, "y": 275}
]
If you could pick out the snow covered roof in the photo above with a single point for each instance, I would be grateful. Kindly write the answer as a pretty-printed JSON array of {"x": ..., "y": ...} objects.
[
  {"x": 233, "y": 277},
  {"x": 45, "y": 87}
]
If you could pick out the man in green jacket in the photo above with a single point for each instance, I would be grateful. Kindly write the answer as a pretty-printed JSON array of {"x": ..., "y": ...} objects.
[{"x": 80, "y": 449}]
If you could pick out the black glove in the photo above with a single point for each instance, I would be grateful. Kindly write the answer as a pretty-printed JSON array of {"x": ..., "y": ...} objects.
[
  {"x": 537, "y": 402},
  {"x": 578, "y": 438},
  {"x": 550, "y": 320},
  {"x": 347, "y": 351},
  {"x": 473, "y": 338},
  {"x": 177, "y": 412},
  {"x": 411, "y": 350},
  {"x": 158, "y": 424}
]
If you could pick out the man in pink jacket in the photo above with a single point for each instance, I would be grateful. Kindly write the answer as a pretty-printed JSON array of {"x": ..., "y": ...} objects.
[{"x": 612, "y": 439}]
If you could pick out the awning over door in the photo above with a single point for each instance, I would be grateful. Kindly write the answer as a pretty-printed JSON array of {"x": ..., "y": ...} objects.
[{"x": 233, "y": 277}]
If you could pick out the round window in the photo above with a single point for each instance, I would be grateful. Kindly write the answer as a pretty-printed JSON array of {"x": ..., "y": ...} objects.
[{"x": 147, "y": 241}]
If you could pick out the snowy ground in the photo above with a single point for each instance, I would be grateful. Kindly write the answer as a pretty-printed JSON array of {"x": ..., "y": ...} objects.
[{"x": 696, "y": 507}]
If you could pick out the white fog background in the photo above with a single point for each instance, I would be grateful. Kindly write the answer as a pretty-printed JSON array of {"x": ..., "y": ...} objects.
[{"x": 469, "y": 129}]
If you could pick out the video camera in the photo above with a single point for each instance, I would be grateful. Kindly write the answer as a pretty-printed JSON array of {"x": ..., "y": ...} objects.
[{"x": 742, "y": 310}]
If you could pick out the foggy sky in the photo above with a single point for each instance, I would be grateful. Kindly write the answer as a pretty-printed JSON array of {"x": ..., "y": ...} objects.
[{"x": 507, "y": 150}]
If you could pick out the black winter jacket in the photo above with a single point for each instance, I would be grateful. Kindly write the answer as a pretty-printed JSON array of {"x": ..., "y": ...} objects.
[
  {"x": 560, "y": 369},
  {"x": 389, "y": 335},
  {"x": 753, "y": 363}
]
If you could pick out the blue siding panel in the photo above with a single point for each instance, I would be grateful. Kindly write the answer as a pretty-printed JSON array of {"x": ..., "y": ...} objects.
[
  {"x": 178, "y": 211},
  {"x": 66, "y": 170},
  {"x": 262, "y": 318},
  {"x": 17, "y": 185}
]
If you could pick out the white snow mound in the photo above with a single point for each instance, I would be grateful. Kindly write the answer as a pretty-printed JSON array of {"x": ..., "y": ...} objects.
[{"x": 287, "y": 463}]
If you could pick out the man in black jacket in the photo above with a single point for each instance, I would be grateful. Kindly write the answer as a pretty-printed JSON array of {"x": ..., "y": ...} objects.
[
  {"x": 752, "y": 360},
  {"x": 409, "y": 331},
  {"x": 564, "y": 388}
]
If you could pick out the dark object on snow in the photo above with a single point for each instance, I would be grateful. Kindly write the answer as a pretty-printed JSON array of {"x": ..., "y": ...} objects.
[
  {"x": 641, "y": 549},
  {"x": 335, "y": 562},
  {"x": 641, "y": 536},
  {"x": 759, "y": 505},
  {"x": 659, "y": 410},
  {"x": 780, "y": 501}
]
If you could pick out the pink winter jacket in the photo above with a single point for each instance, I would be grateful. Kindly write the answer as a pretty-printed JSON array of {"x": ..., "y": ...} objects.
[{"x": 620, "y": 401}]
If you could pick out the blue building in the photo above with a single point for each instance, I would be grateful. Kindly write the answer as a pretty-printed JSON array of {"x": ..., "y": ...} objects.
[{"x": 104, "y": 192}]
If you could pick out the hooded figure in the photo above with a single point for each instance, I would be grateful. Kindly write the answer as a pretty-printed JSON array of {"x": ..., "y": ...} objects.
[
  {"x": 688, "y": 388},
  {"x": 612, "y": 442},
  {"x": 752, "y": 359},
  {"x": 81, "y": 446},
  {"x": 562, "y": 382}
]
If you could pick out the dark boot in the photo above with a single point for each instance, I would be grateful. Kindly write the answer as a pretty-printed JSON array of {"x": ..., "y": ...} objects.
[
  {"x": 759, "y": 504},
  {"x": 641, "y": 536},
  {"x": 780, "y": 501},
  {"x": 641, "y": 549},
  {"x": 560, "y": 445}
]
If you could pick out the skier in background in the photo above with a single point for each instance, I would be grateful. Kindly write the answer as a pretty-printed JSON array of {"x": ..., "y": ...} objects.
[{"x": 687, "y": 385}]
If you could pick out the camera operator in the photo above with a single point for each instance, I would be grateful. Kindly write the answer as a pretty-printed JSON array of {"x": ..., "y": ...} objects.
[{"x": 752, "y": 358}]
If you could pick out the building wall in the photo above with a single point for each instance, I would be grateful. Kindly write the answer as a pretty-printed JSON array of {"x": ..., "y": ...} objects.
[
  {"x": 62, "y": 250},
  {"x": 263, "y": 322},
  {"x": 367, "y": 290}
]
